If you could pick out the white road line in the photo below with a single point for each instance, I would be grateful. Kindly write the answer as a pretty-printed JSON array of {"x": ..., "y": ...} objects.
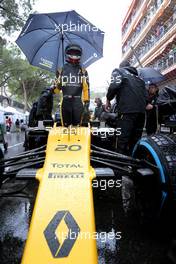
[{"x": 15, "y": 145}]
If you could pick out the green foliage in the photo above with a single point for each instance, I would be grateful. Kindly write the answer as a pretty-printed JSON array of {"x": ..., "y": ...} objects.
[
  {"x": 13, "y": 14},
  {"x": 24, "y": 81},
  {"x": 17, "y": 76}
]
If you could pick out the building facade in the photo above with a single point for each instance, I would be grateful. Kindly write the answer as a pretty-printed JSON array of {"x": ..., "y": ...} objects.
[{"x": 149, "y": 36}]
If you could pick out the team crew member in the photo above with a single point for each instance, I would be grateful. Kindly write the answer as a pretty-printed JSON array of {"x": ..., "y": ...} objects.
[
  {"x": 151, "y": 114},
  {"x": 33, "y": 115},
  {"x": 99, "y": 109},
  {"x": 45, "y": 104},
  {"x": 73, "y": 81},
  {"x": 130, "y": 94}
]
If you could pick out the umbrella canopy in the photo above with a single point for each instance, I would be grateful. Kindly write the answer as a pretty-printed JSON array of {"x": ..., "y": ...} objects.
[
  {"x": 167, "y": 95},
  {"x": 45, "y": 36},
  {"x": 166, "y": 101},
  {"x": 150, "y": 75}
]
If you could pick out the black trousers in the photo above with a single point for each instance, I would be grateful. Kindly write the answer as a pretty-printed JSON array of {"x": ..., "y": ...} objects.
[
  {"x": 71, "y": 109},
  {"x": 151, "y": 122},
  {"x": 131, "y": 131}
]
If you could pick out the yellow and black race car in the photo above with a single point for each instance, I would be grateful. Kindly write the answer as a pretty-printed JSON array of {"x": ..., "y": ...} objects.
[{"x": 65, "y": 163}]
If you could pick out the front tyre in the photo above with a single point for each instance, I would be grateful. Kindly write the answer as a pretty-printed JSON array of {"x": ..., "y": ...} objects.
[{"x": 156, "y": 194}]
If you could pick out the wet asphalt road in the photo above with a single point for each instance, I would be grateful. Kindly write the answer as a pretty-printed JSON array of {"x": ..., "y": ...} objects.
[{"x": 113, "y": 212}]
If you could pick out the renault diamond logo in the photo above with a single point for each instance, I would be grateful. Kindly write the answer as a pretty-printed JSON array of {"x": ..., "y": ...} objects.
[{"x": 58, "y": 250}]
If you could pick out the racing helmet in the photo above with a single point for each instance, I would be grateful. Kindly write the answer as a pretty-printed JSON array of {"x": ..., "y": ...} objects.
[{"x": 73, "y": 53}]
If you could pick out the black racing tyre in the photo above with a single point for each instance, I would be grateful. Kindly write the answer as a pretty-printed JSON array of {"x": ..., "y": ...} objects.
[{"x": 156, "y": 194}]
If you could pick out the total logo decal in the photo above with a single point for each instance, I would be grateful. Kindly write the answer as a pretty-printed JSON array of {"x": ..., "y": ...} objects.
[{"x": 66, "y": 165}]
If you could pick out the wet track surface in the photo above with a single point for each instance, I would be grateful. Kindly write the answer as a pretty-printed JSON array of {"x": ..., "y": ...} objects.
[{"x": 114, "y": 213}]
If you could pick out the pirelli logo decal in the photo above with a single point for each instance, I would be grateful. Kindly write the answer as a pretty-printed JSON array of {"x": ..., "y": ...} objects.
[
  {"x": 65, "y": 175},
  {"x": 58, "y": 249}
]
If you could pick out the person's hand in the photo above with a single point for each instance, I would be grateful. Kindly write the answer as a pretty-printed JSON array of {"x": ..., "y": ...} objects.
[
  {"x": 149, "y": 107},
  {"x": 57, "y": 82},
  {"x": 52, "y": 87},
  {"x": 107, "y": 106}
]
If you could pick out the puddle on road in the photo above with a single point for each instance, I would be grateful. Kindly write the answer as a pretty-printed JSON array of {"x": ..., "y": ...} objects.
[
  {"x": 14, "y": 224},
  {"x": 108, "y": 246},
  {"x": 17, "y": 224},
  {"x": 15, "y": 214}
]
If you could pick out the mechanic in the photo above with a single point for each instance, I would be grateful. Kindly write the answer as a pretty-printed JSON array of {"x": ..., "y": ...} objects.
[
  {"x": 99, "y": 109},
  {"x": 151, "y": 114},
  {"x": 73, "y": 81},
  {"x": 45, "y": 104},
  {"x": 130, "y": 93},
  {"x": 32, "y": 115}
]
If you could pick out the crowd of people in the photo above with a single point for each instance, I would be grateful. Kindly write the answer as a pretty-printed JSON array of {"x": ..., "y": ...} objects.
[
  {"x": 134, "y": 103},
  {"x": 10, "y": 126},
  {"x": 18, "y": 124}
]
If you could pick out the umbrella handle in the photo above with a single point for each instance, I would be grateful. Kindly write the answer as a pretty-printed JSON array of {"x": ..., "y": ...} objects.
[
  {"x": 134, "y": 53},
  {"x": 62, "y": 40}
]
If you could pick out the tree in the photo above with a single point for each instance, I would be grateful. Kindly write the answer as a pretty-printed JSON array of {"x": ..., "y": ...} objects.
[
  {"x": 24, "y": 81},
  {"x": 13, "y": 14}
]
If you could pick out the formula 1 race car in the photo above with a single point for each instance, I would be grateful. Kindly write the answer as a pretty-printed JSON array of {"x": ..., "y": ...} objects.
[{"x": 65, "y": 162}]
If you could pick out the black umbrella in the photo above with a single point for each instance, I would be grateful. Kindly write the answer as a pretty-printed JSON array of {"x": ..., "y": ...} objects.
[{"x": 150, "y": 75}]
